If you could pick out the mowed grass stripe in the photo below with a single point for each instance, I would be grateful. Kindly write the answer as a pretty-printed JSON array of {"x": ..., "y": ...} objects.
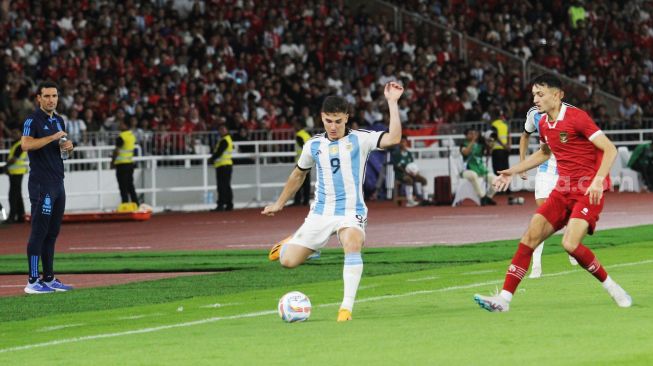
[
  {"x": 250, "y": 270},
  {"x": 270, "y": 312}
]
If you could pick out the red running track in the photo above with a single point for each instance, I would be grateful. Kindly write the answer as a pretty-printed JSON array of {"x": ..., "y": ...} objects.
[{"x": 388, "y": 225}]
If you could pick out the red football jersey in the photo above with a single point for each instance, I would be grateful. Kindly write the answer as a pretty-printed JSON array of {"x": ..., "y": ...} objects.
[{"x": 570, "y": 140}]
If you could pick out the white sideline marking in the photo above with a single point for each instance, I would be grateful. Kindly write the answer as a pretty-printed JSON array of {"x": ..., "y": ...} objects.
[
  {"x": 218, "y": 305},
  {"x": 629, "y": 264},
  {"x": 137, "y": 331},
  {"x": 422, "y": 279},
  {"x": 132, "y": 317},
  {"x": 579, "y": 268},
  {"x": 270, "y": 312},
  {"x": 57, "y": 327},
  {"x": 108, "y": 248}
]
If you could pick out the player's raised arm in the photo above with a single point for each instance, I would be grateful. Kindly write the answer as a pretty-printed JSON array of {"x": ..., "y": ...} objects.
[
  {"x": 293, "y": 183},
  {"x": 392, "y": 93},
  {"x": 595, "y": 190}
]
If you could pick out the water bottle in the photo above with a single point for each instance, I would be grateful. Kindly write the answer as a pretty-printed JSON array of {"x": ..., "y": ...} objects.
[
  {"x": 64, "y": 153},
  {"x": 209, "y": 197}
]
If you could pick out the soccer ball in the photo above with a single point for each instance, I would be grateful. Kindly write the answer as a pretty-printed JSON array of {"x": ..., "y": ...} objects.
[{"x": 294, "y": 307}]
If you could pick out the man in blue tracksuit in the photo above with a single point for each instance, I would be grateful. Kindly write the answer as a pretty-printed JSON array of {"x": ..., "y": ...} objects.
[{"x": 42, "y": 139}]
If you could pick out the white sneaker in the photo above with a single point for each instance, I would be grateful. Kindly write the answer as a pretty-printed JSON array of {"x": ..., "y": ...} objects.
[
  {"x": 573, "y": 261},
  {"x": 620, "y": 296},
  {"x": 493, "y": 304},
  {"x": 536, "y": 272},
  {"x": 411, "y": 203}
]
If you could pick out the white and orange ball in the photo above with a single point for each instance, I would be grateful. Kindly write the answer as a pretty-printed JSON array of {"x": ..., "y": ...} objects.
[{"x": 294, "y": 307}]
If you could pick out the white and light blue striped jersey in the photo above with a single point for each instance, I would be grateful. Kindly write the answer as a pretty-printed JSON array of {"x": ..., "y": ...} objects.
[
  {"x": 340, "y": 171},
  {"x": 531, "y": 125}
]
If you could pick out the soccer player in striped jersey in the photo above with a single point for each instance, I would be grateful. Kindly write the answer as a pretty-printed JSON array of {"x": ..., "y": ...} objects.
[
  {"x": 339, "y": 155},
  {"x": 584, "y": 155},
  {"x": 545, "y": 181}
]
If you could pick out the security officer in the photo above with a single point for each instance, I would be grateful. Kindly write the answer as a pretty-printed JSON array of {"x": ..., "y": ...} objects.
[
  {"x": 42, "y": 139},
  {"x": 16, "y": 168},
  {"x": 123, "y": 161},
  {"x": 303, "y": 195},
  {"x": 500, "y": 147},
  {"x": 223, "y": 165}
]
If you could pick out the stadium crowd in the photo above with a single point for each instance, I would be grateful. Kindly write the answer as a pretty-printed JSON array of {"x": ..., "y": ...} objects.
[
  {"x": 188, "y": 66},
  {"x": 606, "y": 44}
]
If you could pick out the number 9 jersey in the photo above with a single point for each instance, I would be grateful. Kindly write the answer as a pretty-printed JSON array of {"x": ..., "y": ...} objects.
[{"x": 340, "y": 171}]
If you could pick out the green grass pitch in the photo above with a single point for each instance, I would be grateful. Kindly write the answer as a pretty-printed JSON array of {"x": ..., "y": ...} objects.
[{"x": 414, "y": 307}]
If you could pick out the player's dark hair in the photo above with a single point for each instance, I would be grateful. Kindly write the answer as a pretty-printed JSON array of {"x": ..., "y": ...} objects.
[
  {"x": 335, "y": 104},
  {"x": 548, "y": 80},
  {"x": 45, "y": 85}
]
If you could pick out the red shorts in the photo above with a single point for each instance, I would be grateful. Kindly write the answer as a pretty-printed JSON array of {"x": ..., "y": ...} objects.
[{"x": 560, "y": 207}]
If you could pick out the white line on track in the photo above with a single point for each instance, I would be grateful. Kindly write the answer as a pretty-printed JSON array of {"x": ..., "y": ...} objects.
[
  {"x": 108, "y": 248},
  {"x": 57, "y": 327},
  {"x": 213, "y": 222},
  {"x": 414, "y": 242},
  {"x": 484, "y": 216},
  {"x": 270, "y": 312},
  {"x": 249, "y": 246}
]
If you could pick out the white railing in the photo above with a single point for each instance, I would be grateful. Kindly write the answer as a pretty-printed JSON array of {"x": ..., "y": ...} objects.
[
  {"x": 98, "y": 166},
  {"x": 268, "y": 169}
]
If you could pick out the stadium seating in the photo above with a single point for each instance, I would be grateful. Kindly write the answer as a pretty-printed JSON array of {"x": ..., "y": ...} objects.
[{"x": 609, "y": 47}]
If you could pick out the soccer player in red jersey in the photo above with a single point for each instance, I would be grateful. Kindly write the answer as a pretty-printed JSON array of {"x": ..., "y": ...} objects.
[{"x": 584, "y": 156}]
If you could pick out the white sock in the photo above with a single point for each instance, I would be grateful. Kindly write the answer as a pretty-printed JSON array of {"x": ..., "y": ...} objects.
[
  {"x": 537, "y": 255},
  {"x": 409, "y": 192},
  {"x": 351, "y": 275},
  {"x": 506, "y": 295},
  {"x": 608, "y": 283}
]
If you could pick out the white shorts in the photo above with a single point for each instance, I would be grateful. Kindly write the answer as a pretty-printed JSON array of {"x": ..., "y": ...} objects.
[
  {"x": 544, "y": 184},
  {"x": 316, "y": 230}
]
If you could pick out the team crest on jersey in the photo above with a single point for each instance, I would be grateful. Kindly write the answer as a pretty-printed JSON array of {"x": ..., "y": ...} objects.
[
  {"x": 349, "y": 146},
  {"x": 564, "y": 138},
  {"x": 333, "y": 150}
]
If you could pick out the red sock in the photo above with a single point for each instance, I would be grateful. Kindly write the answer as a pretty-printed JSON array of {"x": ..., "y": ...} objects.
[
  {"x": 588, "y": 260},
  {"x": 518, "y": 267}
]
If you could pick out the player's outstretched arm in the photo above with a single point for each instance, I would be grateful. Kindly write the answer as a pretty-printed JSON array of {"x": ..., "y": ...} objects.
[
  {"x": 502, "y": 182},
  {"x": 293, "y": 183},
  {"x": 392, "y": 93},
  {"x": 595, "y": 190}
]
